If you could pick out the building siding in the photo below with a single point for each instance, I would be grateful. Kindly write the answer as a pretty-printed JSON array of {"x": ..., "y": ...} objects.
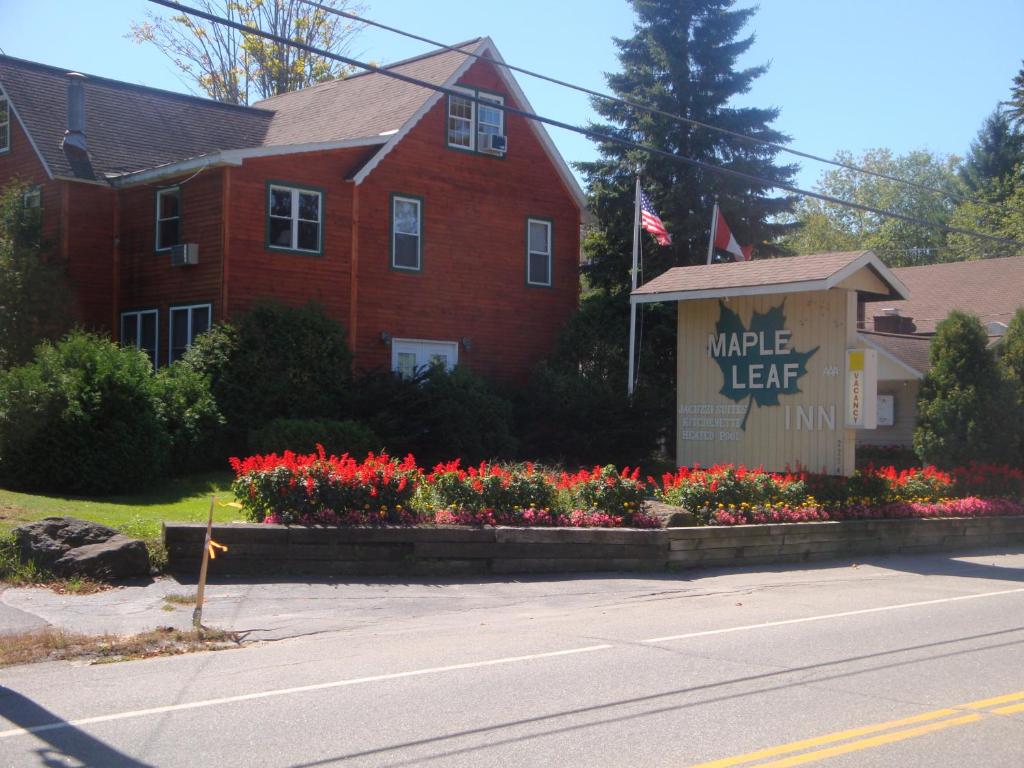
[
  {"x": 901, "y": 433},
  {"x": 472, "y": 284}
]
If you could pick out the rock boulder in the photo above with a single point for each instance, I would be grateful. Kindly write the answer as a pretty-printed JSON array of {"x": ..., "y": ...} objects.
[
  {"x": 671, "y": 517},
  {"x": 71, "y": 547}
]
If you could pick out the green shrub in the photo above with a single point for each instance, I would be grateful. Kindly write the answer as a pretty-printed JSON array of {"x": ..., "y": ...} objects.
[
  {"x": 82, "y": 417},
  {"x": 303, "y": 436},
  {"x": 193, "y": 422},
  {"x": 604, "y": 489},
  {"x": 437, "y": 415},
  {"x": 968, "y": 407},
  {"x": 276, "y": 362}
]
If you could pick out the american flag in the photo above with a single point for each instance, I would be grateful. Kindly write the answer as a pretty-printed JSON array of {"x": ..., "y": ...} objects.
[{"x": 650, "y": 221}]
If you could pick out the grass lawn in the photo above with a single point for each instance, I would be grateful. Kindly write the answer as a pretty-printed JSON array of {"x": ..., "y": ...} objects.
[{"x": 184, "y": 499}]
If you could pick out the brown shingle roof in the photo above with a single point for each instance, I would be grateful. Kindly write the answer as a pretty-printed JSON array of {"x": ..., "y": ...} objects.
[
  {"x": 912, "y": 350},
  {"x": 993, "y": 289},
  {"x": 127, "y": 126},
  {"x": 132, "y": 127},
  {"x": 360, "y": 106},
  {"x": 760, "y": 275}
]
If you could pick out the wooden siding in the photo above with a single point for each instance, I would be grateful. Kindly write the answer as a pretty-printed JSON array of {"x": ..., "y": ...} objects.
[
  {"x": 708, "y": 423},
  {"x": 473, "y": 279},
  {"x": 146, "y": 278},
  {"x": 294, "y": 278},
  {"x": 904, "y": 416}
]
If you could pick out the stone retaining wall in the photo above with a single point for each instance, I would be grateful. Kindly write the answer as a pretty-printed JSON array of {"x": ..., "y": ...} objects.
[{"x": 258, "y": 550}]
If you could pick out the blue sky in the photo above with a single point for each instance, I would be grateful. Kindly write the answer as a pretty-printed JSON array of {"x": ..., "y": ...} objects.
[{"x": 847, "y": 74}]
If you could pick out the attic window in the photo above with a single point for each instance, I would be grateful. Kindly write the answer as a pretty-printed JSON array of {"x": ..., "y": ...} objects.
[
  {"x": 469, "y": 120},
  {"x": 5, "y": 125}
]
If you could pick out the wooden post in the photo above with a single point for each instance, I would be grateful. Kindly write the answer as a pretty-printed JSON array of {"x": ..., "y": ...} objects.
[{"x": 197, "y": 614}]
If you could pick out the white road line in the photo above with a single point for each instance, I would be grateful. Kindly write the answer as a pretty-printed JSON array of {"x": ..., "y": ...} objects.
[
  {"x": 806, "y": 619},
  {"x": 287, "y": 691}
]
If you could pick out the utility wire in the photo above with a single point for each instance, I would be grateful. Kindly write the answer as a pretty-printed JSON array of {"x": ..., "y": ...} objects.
[
  {"x": 638, "y": 105},
  {"x": 591, "y": 134}
]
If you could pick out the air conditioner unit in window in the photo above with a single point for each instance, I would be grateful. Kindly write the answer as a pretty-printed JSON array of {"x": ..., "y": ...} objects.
[
  {"x": 184, "y": 254},
  {"x": 492, "y": 143}
]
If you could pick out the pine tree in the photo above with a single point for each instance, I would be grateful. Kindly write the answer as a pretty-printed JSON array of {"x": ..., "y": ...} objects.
[
  {"x": 968, "y": 405},
  {"x": 682, "y": 59},
  {"x": 995, "y": 153}
]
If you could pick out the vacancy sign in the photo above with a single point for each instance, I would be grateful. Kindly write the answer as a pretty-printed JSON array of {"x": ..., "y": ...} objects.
[{"x": 861, "y": 388}]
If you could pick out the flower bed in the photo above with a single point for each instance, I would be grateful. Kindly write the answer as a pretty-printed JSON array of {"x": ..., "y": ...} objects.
[{"x": 317, "y": 489}]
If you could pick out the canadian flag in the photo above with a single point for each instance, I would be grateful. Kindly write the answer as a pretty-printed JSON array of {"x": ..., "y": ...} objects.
[{"x": 725, "y": 241}]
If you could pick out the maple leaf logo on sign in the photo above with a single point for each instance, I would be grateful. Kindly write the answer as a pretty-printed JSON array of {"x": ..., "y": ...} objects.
[{"x": 757, "y": 364}]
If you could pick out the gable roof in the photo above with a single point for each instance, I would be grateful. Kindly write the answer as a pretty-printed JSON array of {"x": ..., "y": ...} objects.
[
  {"x": 815, "y": 272},
  {"x": 136, "y": 133},
  {"x": 992, "y": 289}
]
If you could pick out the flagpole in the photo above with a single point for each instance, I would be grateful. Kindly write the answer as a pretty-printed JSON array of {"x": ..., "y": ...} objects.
[
  {"x": 714, "y": 226},
  {"x": 632, "y": 305}
]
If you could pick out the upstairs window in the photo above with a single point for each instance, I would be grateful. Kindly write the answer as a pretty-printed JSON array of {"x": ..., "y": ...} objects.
[
  {"x": 187, "y": 323},
  {"x": 468, "y": 120},
  {"x": 168, "y": 218},
  {"x": 32, "y": 198},
  {"x": 538, "y": 252},
  {"x": 140, "y": 330},
  {"x": 5, "y": 125},
  {"x": 461, "y": 112},
  {"x": 294, "y": 219},
  {"x": 406, "y": 233}
]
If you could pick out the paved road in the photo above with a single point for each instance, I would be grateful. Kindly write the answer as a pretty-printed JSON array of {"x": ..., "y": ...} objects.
[{"x": 907, "y": 662}]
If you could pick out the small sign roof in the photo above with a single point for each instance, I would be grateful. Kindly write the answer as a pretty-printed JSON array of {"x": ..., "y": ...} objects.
[{"x": 862, "y": 271}]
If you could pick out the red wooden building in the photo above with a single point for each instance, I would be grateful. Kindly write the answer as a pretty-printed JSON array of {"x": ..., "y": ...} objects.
[{"x": 431, "y": 225}]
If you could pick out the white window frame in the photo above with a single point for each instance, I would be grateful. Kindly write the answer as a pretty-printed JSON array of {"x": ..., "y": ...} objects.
[
  {"x": 32, "y": 198},
  {"x": 395, "y": 199},
  {"x": 5, "y": 123},
  {"x": 136, "y": 315},
  {"x": 425, "y": 350},
  {"x": 472, "y": 120},
  {"x": 295, "y": 218},
  {"x": 495, "y": 98},
  {"x": 530, "y": 252},
  {"x": 160, "y": 194},
  {"x": 190, "y": 308}
]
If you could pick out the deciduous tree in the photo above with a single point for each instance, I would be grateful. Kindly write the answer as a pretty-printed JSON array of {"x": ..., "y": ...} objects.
[{"x": 233, "y": 66}]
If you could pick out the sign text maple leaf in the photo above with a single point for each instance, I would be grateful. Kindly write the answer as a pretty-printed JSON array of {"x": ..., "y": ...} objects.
[{"x": 757, "y": 364}]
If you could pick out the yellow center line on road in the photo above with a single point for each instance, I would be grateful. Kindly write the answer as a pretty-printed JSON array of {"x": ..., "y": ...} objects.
[{"x": 935, "y": 720}]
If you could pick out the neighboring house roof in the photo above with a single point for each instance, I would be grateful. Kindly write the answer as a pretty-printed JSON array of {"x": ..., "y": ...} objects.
[
  {"x": 816, "y": 272},
  {"x": 127, "y": 126},
  {"x": 912, "y": 351},
  {"x": 992, "y": 289},
  {"x": 137, "y": 134}
]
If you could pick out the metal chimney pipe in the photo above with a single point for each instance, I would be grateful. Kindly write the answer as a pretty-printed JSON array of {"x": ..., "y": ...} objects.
[{"x": 74, "y": 136}]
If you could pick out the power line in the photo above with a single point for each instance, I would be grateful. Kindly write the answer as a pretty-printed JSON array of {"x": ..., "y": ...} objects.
[
  {"x": 638, "y": 105},
  {"x": 594, "y": 135}
]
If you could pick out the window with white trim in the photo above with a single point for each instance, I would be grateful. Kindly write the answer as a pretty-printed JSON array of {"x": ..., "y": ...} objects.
[
  {"x": 5, "y": 124},
  {"x": 32, "y": 198},
  {"x": 294, "y": 218},
  {"x": 185, "y": 324},
  {"x": 168, "y": 218},
  {"x": 468, "y": 119},
  {"x": 489, "y": 119},
  {"x": 538, "y": 252},
  {"x": 410, "y": 357},
  {"x": 406, "y": 233},
  {"x": 141, "y": 329},
  {"x": 461, "y": 114}
]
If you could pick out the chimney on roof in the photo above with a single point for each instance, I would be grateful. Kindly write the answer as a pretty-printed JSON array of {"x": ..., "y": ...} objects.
[
  {"x": 891, "y": 321},
  {"x": 74, "y": 145}
]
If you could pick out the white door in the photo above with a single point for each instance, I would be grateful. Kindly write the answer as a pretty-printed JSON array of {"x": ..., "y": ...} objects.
[{"x": 412, "y": 356}]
